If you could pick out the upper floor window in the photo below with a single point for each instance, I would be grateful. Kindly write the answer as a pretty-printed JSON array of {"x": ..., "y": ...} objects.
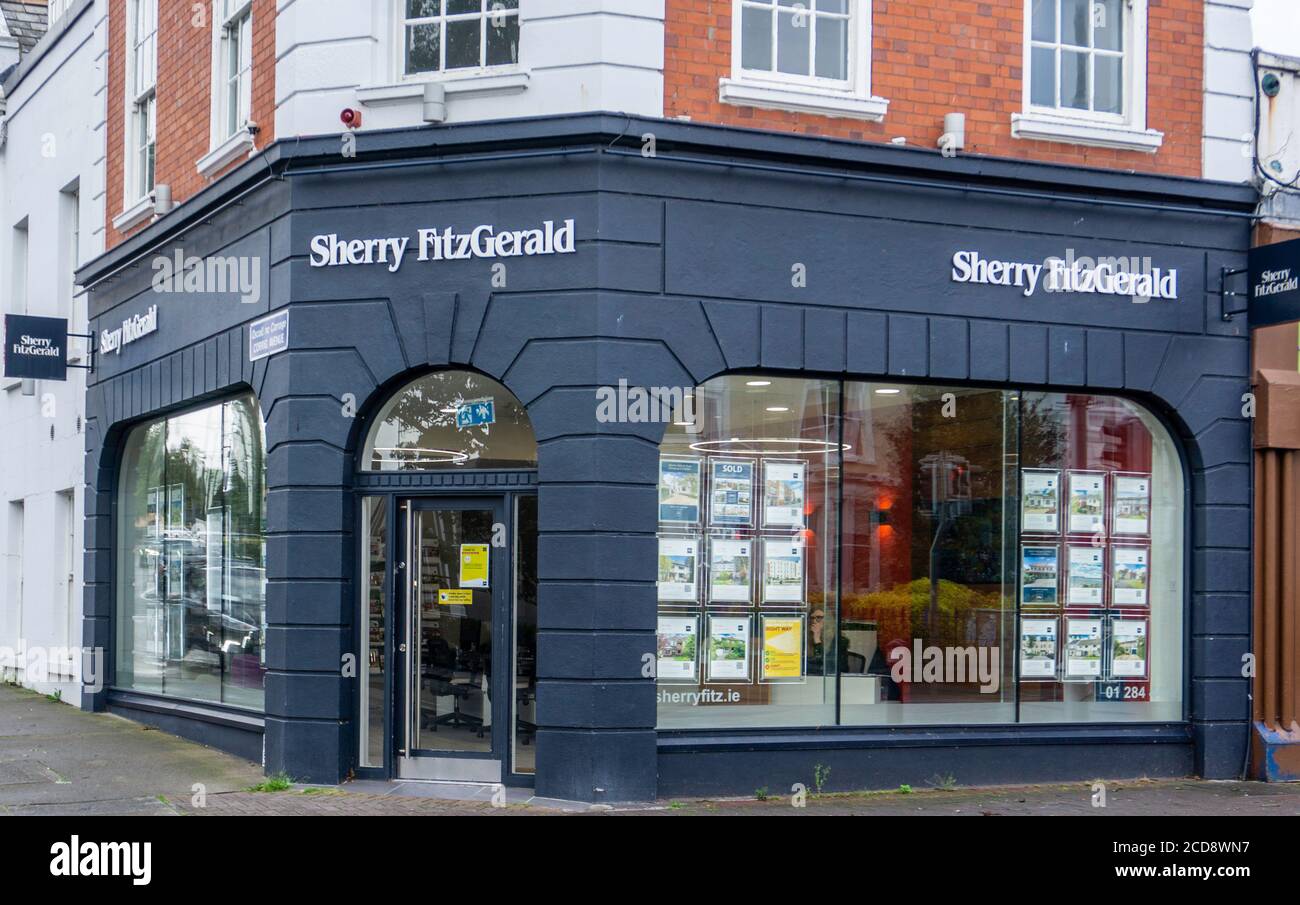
[
  {"x": 809, "y": 56},
  {"x": 142, "y": 73},
  {"x": 802, "y": 39},
  {"x": 1085, "y": 74},
  {"x": 441, "y": 35},
  {"x": 1077, "y": 55},
  {"x": 234, "y": 59},
  {"x": 57, "y": 9}
]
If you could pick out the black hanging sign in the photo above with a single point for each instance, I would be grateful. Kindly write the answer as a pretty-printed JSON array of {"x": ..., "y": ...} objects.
[
  {"x": 36, "y": 348},
  {"x": 1274, "y": 287}
]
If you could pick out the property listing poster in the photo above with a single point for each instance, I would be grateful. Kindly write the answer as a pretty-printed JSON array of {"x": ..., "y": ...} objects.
[
  {"x": 1132, "y": 505},
  {"x": 783, "y": 494},
  {"x": 729, "y": 648},
  {"x": 1128, "y": 648},
  {"x": 1038, "y": 648},
  {"x": 679, "y": 491},
  {"x": 1130, "y": 575},
  {"x": 782, "y": 571},
  {"x": 1083, "y": 648},
  {"x": 678, "y": 568},
  {"x": 730, "y": 570},
  {"x": 1087, "y": 502},
  {"x": 677, "y": 656},
  {"x": 782, "y": 648},
  {"x": 731, "y": 494},
  {"x": 1040, "y": 505},
  {"x": 1040, "y": 575},
  {"x": 1086, "y": 576}
]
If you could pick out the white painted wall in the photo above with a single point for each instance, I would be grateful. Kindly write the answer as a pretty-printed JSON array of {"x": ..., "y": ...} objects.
[
  {"x": 54, "y": 137},
  {"x": 574, "y": 56},
  {"x": 1229, "y": 92}
]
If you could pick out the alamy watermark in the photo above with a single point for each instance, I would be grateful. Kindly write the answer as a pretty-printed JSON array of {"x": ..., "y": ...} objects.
[{"x": 211, "y": 275}]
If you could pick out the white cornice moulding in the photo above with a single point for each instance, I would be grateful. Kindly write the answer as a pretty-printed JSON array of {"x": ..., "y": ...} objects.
[
  {"x": 477, "y": 83},
  {"x": 1079, "y": 132},
  {"x": 236, "y": 146},
  {"x": 802, "y": 99},
  {"x": 136, "y": 213}
]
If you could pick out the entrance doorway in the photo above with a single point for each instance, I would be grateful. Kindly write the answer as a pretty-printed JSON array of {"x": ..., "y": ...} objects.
[{"x": 465, "y": 638}]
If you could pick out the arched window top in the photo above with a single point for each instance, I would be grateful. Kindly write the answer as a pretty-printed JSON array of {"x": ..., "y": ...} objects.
[{"x": 448, "y": 420}]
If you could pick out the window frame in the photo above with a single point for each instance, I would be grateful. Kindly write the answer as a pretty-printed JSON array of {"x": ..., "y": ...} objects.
[
  {"x": 140, "y": 105},
  {"x": 398, "y": 43},
  {"x": 850, "y": 97},
  {"x": 232, "y": 33},
  {"x": 1125, "y": 131},
  {"x": 1128, "y": 68}
]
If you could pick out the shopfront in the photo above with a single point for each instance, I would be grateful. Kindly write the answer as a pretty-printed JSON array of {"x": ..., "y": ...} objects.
[{"x": 540, "y": 460}]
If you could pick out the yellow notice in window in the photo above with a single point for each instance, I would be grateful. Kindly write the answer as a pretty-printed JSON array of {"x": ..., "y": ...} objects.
[
  {"x": 456, "y": 597},
  {"x": 782, "y": 647},
  {"x": 473, "y": 565}
]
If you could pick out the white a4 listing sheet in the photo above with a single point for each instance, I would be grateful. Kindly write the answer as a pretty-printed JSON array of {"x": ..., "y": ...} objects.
[
  {"x": 1128, "y": 648},
  {"x": 1132, "y": 505},
  {"x": 730, "y": 570},
  {"x": 1087, "y": 502},
  {"x": 678, "y": 568},
  {"x": 677, "y": 654},
  {"x": 1083, "y": 648},
  {"x": 1130, "y": 575},
  {"x": 1040, "y": 503},
  {"x": 783, "y": 494},
  {"x": 782, "y": 571},
  {"x": 1087, "y": 576}
]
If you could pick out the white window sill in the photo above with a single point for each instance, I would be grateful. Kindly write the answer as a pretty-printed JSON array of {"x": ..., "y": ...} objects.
[
  {"x": 802, "y": 99},
  {"x": 1045, "y": 127},
  {"x": 236, "y": 146},
  {"x": 475, "y": 82},
  {"x": 136, "y": 213}
]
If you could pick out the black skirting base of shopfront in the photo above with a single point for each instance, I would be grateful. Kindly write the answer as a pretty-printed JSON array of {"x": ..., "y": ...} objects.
[
  {"x": 553, "y": 258},
  {"x": 237, "y": 732},
  {"x": 772, "y": 764}
]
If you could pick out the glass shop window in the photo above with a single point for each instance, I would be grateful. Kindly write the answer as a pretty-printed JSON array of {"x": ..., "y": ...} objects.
[
  {"x": 191, "y": 556},
  {"x": 451, "y": 419},
  {"x": 999, "y": 556}
]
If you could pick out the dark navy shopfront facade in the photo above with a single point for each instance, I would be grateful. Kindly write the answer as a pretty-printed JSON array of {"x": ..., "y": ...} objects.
[{"x": 722, "y": 252}]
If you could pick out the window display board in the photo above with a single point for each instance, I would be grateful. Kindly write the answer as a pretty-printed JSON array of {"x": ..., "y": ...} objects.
[
  {"x": 783, "y": 649},
  {"x": 1130, "y": 570},
  {"x": 1128, "y": 648},
  {"x": 783, "y": 572},
  {"x": 1087, "y": 514},
  {"x": 1040, "y": 501},
  {"x": 1132, "y": 507},
  {"x": 1040, "y": 575},
  {"x": 1038, "y": 649},
  {"x": 1085, "y": 575},
  {"x": 1083, "y": 649},
  {"x": 730, "y": 571},
  {"x": 731, "y": 493},
  {"x": 729, "y": 644},
  {"x": 677, "y": 659},
  {"x": 783, "y": 493},
  {"x": 679, "y": 569},
  {"x": 679, "y": 491}
]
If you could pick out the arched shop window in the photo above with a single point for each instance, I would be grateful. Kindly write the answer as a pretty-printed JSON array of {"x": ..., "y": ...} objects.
[
  {"x": 450, "y": 419},
  {"x": 191, "y": 556},
  {"x": 894, "y": 554}
]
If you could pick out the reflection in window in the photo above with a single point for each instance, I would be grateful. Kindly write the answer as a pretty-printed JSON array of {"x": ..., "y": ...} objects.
[
  {"x": 999, "y": 557},
  {"x": 191, "y": 547},
  {"x": 451, "y": 419}
]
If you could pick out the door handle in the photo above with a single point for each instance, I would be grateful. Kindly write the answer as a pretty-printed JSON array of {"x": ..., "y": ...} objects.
[{"x": 402, "y": 648}]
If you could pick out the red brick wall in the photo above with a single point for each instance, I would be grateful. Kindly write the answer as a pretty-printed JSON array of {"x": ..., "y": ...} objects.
[
  {"x": 184, "y": 102},
  {"x": 931, "y": 57}
]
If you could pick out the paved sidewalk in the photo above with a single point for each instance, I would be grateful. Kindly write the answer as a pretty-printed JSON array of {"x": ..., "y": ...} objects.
[{"x": 54, "y": 759}]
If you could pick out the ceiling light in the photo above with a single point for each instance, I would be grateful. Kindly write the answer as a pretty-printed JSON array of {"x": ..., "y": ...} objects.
[
  {"x": 778, "y": 408},
  {"x": 758, "y": 383},
  {"x": 888, "y": 391}
]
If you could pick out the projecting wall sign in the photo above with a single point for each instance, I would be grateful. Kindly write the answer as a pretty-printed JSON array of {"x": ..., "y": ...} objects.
[{"x": 434, "y": 244}]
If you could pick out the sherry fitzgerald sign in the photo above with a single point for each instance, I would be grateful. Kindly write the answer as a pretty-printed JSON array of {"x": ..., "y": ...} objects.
[
  {"x": 434, "y": 244},
  {"x": 1129, "y": 277}
]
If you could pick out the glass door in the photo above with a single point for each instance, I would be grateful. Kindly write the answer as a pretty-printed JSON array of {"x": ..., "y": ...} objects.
[{"x": 454, "y": 698}]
